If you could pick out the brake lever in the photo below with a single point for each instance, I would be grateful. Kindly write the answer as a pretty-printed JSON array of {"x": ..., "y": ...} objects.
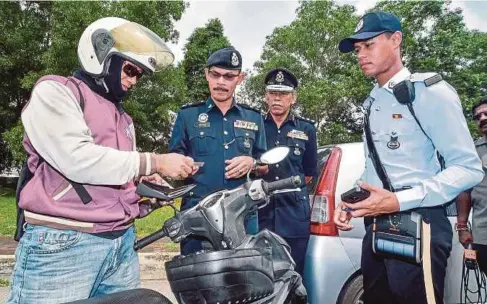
[
  {"x": 267, "y": 200},
  {"x": 286, "y": 191}
]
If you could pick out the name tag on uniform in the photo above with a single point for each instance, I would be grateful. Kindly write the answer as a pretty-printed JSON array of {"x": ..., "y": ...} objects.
[
  {"x": 249, "y": 125},
  {"x": 297, "y": 134}
]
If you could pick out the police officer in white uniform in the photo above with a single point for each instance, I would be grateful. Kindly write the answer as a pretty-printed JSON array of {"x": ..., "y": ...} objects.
[{"x": 407, "y": 146}]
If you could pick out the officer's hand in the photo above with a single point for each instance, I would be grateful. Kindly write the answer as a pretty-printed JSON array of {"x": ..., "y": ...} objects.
[
  {"x": 175, "y": 165},
  {"x": 380, "y": 201},
  {"x": 342, "y": 218},
  {"x": 465, "y": 237},
  {"x": 238, "y": 166},
  {"x": 261, "y": 170}
]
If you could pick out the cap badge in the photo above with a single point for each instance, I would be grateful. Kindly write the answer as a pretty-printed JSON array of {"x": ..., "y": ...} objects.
[
  {"x": 203, "y": 117},
  {"x": 234, "y": 59},
  {"x": 360, "y": 25},
  {"x": 280, "y": 77}
]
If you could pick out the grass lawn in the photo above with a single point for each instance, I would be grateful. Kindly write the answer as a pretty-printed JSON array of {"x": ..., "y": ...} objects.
[
  {"x": 144, "y": 226},
  {"x": 8, "y": 213}
]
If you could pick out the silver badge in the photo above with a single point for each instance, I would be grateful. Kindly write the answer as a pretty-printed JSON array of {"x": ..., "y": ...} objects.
[
  {"x": 297, "y": 152},
  {"x": 393, "y": 144},
  {"x": 280, "y": 77},
  {"x": 203, "y": 117},
  {"x": 234, "y": 59},
  {"x": 360, "y": 25},
  {"x": 391, "y": 84},
  {"x": 247, "y": 143}
]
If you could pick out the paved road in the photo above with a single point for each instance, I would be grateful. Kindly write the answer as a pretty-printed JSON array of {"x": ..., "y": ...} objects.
[{"x": 161, "y": 286}]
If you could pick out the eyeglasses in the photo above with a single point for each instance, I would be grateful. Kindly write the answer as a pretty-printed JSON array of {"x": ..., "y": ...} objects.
[
  {"x": 132, "y": 71},
  {"x": 227, "y": 76},
  {"x": 479, "y": 115}
]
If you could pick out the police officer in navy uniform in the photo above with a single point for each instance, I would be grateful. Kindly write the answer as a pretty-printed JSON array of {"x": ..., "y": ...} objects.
[
  {"x": 288, "y": 214},
  {"x": 407, "y": 131},
  {"x": 226, "y": 136}
]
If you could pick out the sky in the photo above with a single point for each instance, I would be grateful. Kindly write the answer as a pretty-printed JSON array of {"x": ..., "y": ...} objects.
[{"x": 247, "y": 23}]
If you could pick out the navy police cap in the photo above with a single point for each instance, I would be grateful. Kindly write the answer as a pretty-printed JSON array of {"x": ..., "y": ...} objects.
[
  {"x": 280, "y": 80},
  {"x": 371, "y": 25},
  {"x": 227, "y": 58}
]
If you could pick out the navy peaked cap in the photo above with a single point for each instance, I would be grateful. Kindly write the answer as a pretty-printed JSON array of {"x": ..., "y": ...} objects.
[
  {"x": 371, "y": 25},
  {"x": 281, "y": 79},
  {"x": 227, "y": 58}
]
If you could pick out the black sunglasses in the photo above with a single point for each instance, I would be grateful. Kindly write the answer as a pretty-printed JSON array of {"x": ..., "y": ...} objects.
[
  {"x": 132, "y": 71},
  {"x": 227, "y": 76}
]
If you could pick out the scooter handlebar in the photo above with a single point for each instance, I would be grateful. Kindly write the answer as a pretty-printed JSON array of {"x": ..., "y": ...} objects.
[
  {"x": 290, "y": 182},
  {"x": 150, "y": 239}
]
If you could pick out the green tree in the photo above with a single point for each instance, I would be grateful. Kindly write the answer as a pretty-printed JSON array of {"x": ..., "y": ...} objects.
[
  {"x": 201, "y": 44},
  {"x": 39, "y": 38}
]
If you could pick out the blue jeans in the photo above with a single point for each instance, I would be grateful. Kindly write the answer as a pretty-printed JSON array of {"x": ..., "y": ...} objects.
[{"x": 57, "y": 266}]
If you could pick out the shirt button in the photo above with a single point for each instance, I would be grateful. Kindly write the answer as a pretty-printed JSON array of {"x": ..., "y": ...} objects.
[
  {"x": 191, "y": 193},
  {"x": 225, "y": 132},
  {"x": 277, "y": 142},
  {"x": 202, "y": 133},
  {"x": 224, "y": 118},
  {"x": 297, "y": 145},
  {"x": 226, "y": 147},
  {"x": 373, "y": 133},
  {"x": 277, "y": 177},
  {"x": 277, "y": 165},
  {"x": 278, "y": 131},
  {"x": 246, "y": 134},
  {"x": 377, "y": 108}
]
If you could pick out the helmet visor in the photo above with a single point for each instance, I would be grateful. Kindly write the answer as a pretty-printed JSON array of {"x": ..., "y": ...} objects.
[{"x": 133, "y": 38}]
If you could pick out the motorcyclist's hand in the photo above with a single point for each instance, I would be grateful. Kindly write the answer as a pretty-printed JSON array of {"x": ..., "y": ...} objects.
[
  {"x": 238, "y": 166},
  {"x": 175, "y": 165},
  {"x": 156, "y": 179},
  {"x": 379, "y": 202},
  {"x": 341, "y": 218},
  {"x": 465, "y": 237}
]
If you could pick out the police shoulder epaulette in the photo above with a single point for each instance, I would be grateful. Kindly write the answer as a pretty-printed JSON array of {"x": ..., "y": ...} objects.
[
  {"x": 427, "y": 78},
  {"x": 306, "y": 119},
  {"x": 246, "y": 106},
  {"x": 192, "y": 104}
]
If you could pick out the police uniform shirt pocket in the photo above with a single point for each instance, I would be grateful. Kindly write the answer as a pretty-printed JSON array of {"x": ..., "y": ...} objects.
[
  {"x": 297, "y": 147},
  {"x": 202, "y": 140},
  {"x": 245, "y": 139},
  {"x": 403, "y": 136}
]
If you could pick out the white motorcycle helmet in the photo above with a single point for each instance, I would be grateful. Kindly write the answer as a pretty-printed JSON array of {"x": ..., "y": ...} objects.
[{"x": 130, "y": 40}]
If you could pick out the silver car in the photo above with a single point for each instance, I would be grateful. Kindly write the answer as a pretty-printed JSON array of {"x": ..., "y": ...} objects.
[{"x": 332, "y": 268}]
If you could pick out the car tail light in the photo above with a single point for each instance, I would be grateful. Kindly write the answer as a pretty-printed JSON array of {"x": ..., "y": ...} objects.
[{"x": 324, "y": 198}]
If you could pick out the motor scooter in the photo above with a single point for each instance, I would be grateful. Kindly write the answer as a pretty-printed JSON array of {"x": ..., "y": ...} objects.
[{"x": 235, "y": 267}]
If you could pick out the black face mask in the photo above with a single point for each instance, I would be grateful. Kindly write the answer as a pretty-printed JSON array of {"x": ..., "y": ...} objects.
[{"x": 113, "y": 81}]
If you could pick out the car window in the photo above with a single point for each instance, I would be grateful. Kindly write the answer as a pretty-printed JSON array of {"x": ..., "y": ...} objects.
[{"x": 323, "y": 154}]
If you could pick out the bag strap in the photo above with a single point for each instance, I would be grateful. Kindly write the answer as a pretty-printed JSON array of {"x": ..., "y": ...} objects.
[
  {"x": 79, "y": 188},
  {"x": 379, "y": 168},
  {"x": 441, "y": 160}
]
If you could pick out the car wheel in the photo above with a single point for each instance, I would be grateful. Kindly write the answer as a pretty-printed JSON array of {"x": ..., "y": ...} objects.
[{"x": 352, "y": 292}]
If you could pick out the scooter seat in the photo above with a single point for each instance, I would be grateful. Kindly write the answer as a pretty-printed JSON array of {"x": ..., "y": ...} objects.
[{"x": 223, "y": 276}]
